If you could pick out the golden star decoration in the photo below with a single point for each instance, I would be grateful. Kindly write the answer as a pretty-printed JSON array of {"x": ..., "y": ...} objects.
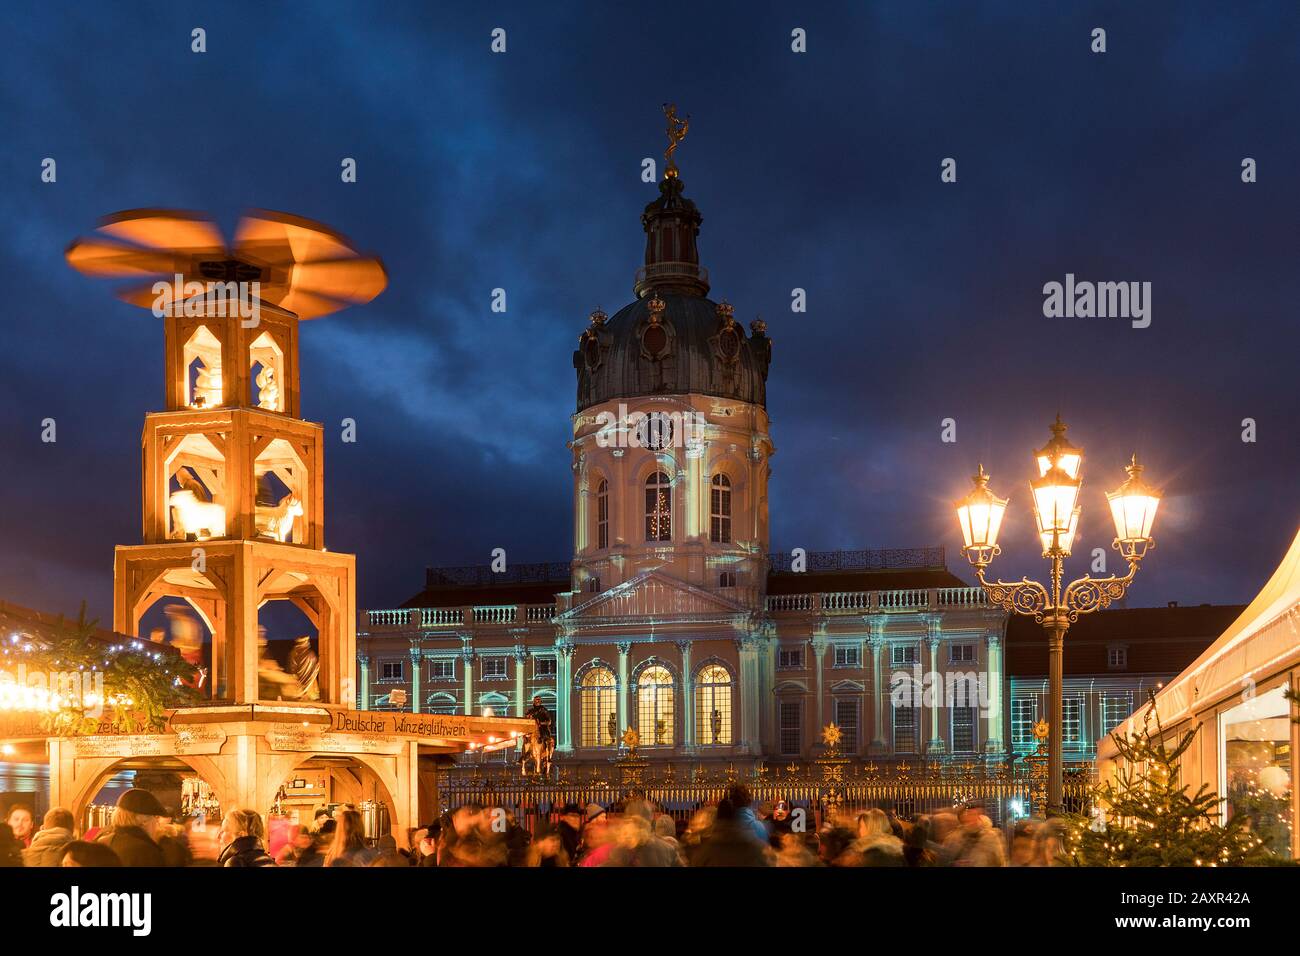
[{"x": 831, "y": 735}]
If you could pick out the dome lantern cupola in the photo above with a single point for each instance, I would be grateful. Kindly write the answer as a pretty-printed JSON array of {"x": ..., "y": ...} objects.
[
  {"x": 671, "y": 222},
  {"x": 672, "y": 340}
]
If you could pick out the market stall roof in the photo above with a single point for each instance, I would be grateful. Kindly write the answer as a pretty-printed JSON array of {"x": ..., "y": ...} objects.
[
  {"x": 1264, "y": 639},
  {"x": 18, "y": 623}
]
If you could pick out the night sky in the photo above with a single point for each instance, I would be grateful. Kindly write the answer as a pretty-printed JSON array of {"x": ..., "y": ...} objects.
[{"x": 818, "y": 170}]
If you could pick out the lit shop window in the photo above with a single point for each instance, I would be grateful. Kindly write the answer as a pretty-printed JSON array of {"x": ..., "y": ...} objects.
[{"x": 1255, "y": 763}]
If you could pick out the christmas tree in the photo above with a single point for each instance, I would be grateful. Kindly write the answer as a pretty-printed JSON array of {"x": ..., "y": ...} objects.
[{"x": 1151, "y": 818}]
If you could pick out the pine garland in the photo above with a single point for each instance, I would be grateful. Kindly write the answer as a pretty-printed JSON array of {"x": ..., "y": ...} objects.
[
  {"x": 1151, "y": 817},
  {"x": 139, "y": 677}
]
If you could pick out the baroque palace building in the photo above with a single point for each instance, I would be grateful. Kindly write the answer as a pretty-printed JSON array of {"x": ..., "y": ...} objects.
[{"x": 672, "y": 619}]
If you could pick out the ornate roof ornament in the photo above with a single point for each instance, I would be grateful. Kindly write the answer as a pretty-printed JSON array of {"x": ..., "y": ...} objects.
[
  {"x": 656, "y": 309},
  {"x": 598, "y": 317},
  {"x": 758, "y": 326},
  {"x": 677, "y": 128},
  {"x": 726, "y": 314}
]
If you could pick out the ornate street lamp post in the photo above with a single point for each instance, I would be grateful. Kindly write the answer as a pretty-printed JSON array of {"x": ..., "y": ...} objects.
[{"x": 1055, "y": 498}]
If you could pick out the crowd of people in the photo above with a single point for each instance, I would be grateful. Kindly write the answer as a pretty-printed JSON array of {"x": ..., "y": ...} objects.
[{"x": 733, "y": 831}]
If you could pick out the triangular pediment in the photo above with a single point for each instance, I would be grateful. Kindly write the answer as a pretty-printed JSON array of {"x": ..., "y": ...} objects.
[{"x": 654, "y": 596}]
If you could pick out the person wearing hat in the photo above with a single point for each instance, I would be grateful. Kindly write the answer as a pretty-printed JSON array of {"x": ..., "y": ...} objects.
[
  {"x": 569, "y": 830},
  {"x": 136, "y": 824}
]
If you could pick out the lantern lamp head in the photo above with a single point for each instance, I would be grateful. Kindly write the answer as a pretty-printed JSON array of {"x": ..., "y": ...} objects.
[
  {"x": 1133, "y": 507},
  {"x": 1059, "y": 453},
  {"x": 980, "y": 516},
  {"x": 1056, "y": 491}
]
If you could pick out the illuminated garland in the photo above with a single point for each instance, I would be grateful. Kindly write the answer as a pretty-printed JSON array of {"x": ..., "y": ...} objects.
[
  {"x": 1152, "y": 819},
  {"x": 139, "y": 677}
]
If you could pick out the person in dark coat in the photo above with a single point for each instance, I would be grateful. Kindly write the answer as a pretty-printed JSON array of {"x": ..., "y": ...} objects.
[
  {"x": 81, "y": 853},
  {"x": 731, "y": 841},
  {"x": 48, "y": 844},
  {"x": 133, "y": 834},
  {"x": 569, "y": 830},
  {"x": 242, "y": 838},
  {"x": 11, "y": 850}
]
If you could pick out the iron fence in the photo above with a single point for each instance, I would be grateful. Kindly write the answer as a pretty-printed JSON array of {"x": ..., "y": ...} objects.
[{"x": 1006, "y": 794}]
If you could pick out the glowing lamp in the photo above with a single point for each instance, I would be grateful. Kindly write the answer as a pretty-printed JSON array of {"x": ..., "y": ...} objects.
[
  {"x": 980, "y": 516},
  {"x": 1056, "y": 495},
  {"x": 1065, "y": 540},
  {"x": 1133, "y": 507},
  {"x": 1059, "y": 453}
]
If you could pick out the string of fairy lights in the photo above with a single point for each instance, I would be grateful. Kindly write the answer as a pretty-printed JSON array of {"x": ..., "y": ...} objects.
[{"x": 74, "y": 675}]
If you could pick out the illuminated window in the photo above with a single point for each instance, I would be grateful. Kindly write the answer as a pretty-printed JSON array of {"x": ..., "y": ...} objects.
[
  {"x": 961, "y": 653},
  {"x": 1115, "y": 707},
  {"x": 1024, "y": 713},
  {"x": 602, "y": 515},
  {"x": 963, "y": 730},
  {"x": 848, "y": 655},
  {"x": 902, "y": 655},
  {"x": 654, "y": 707},
  {"x": 658, "y": 508},
  {"x": 713, "y": 706},
  {"x": 720, "y": 509},
  {"x": 904, "y": 730},
  {"x": 598, "y": 703},
  {"x": 846, "y": 718},
  {"x": 1255, "y": 765},
  {"x": 790, "y": 720},
  {"x": 1072, "y": 720}
]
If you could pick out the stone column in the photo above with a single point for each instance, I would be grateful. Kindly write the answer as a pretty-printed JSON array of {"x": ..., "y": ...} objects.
[
  {"x": 619, "y": 495},
  {"x": 364, "y": 661},
  {"x": 749, "y": 679},
  {"x": 994, "y": 743},
  {"x": 624, "y": 648},
  {"x": 876, "y": 642},
  {"x": 688, "y": 699},
  {"x": 521, "y": 661},
  {"x": 819, "y": 646},
  {"x": 467, "y": 662},
  {"x": 936, "y": 745},
  {"x": 416, "y": 662},
  {"x": 563, "y": 698}
]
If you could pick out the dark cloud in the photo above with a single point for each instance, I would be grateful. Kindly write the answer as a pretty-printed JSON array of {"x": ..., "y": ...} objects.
[{"x": 819, "y": 171}]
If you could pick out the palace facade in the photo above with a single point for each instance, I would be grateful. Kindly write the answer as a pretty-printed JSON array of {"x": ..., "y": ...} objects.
[{"x": 672, "y": 620}]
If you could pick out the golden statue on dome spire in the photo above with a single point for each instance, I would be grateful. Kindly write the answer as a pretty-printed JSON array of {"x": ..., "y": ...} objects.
[{"x": 677, "y": 128}]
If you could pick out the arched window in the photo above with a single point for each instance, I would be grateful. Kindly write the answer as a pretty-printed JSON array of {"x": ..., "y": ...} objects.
[
  {"x": 602, "y": 514},
  {"x": 654, "y": 707},
  {"x": 713, "y": 706},
  {"x": 599, "y": 708},
  {"x": 658, "y": 507},
  {"x": 720, "y": 509}
]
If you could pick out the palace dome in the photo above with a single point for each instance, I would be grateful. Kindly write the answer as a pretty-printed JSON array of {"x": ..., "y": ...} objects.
[{"x": 672, "y": 340}]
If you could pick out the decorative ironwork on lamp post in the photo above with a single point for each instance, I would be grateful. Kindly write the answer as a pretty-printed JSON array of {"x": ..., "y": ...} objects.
[{"x": 1055, "y": 500}]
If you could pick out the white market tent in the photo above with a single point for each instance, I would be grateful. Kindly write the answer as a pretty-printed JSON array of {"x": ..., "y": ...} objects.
[
  {"x": 1262, "y": 641},
  {"x": 1260, "y": 649}
]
